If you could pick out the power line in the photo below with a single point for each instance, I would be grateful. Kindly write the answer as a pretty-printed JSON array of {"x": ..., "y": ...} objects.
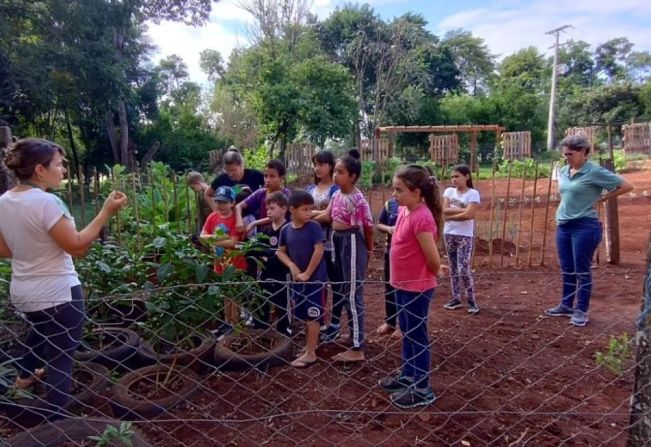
[{"x": 552, "y": 96}]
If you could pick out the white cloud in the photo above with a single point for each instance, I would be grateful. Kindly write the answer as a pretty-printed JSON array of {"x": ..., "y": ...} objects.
[{"x": 511, "y": 25}]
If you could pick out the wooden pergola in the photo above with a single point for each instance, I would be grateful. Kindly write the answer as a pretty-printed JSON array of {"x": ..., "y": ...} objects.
[{"x": 473, "y": 129}]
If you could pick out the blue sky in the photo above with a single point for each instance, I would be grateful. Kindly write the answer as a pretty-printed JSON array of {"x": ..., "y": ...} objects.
[{"x": 505, "y": 25}]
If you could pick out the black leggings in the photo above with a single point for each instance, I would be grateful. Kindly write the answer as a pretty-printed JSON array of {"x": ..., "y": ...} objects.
[{"x": 52, "y": 341}]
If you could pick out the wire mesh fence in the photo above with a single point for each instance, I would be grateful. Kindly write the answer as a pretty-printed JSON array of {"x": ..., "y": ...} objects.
[{"x": 157, "y": 368}]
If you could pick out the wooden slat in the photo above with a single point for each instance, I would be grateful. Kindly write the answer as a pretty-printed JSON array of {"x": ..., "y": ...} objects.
[
  {"x": 443, "y": 129},
  {"x": 516, "y": 145}
]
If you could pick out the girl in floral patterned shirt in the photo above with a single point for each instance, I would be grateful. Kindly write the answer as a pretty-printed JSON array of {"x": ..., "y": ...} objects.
[{"x": 352, "y": 223}]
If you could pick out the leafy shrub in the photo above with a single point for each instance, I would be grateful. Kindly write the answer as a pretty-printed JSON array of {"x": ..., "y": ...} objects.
[
  {"x": 256, "y": 158},
  {"x": 616, "y": 355}
]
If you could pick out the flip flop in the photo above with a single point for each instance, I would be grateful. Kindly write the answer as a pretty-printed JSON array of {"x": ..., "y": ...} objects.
[
  {"x": 23, "y": 384},
  {"x": 339, "y": 359},
  {"x": 300, "y": 364}
]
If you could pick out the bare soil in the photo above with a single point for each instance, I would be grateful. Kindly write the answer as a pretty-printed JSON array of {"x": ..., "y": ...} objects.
[{"x": 508, "y": 376}]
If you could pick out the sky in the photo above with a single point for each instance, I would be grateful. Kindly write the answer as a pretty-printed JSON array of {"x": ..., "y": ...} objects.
[{"x": 505, "y": 25}]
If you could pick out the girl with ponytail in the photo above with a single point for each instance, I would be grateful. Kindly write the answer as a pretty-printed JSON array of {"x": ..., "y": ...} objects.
[{"x": 415, "y": 262}]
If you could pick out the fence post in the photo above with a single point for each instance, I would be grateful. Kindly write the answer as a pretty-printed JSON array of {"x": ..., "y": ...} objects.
[
  {"x": 639, "y": 431},
  {"x": 612, "y": 224}
]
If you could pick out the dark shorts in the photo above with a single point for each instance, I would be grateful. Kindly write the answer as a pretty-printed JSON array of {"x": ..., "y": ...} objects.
[{"x": 308, "y": 300}]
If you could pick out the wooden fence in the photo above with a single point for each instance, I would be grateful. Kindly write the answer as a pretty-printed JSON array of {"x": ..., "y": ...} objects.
[
  {"x": 444, "y": 149},
  {"x": 637, "y": 138},
  {"x": 516, "y": 145},
  {"x": 377, "y": 150},
  {"x": 589, "y": 132},
  {"x": 298, "y": 158}
]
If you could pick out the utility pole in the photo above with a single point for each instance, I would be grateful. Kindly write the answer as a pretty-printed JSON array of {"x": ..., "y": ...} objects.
[{"x": 552, "y": 96}]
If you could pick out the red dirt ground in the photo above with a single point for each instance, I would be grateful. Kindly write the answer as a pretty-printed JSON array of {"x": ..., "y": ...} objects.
[{"x": 505, "y": 377}]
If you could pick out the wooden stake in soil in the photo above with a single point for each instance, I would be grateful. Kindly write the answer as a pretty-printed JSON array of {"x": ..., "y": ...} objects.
[
  {"x": 82, "y": 197},
  {"x": 176, "y": 203},
  {"x": 544, "y": 241},
  {"x": 490, "y": 223},
  {"x": 612, "y": 224},
  {"x": 134, "y": 187},
  {"x": 152, "y": 189},
  {"x": 506, "y": 213},
  {"x": 188, "y": 209},
  {"x": 520, "y": 206},
  {"x": 96, "y": 189},
  {"x": 533, "y": 210}
]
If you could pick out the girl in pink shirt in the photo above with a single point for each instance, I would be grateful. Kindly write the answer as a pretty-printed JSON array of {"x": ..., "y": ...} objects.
[
  {"x": 352, "y": 240},
  {"x": 414, "y": 264}
]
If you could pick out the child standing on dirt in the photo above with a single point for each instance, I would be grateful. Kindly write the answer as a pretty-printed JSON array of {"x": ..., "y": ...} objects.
[
  {"x": 386, "y": 224},
  {"x": 352, "y": 223},
  {"x": 460, "y": 203},
  {"x": 415, "y": 262},
  {"x": 219, "y": 231},
  {"x": 322, "y": 190},
  {"x": 274, "y": 175},
  {"x": 301, "y": 250},
  {"x": 273, "y": 276}
]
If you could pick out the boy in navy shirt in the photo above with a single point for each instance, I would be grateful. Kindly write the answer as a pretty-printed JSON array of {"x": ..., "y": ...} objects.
[
  {"x": 387, "y": 222},
  {"x": 301, "y": 250},
  {"x": 274, "y": 273}
]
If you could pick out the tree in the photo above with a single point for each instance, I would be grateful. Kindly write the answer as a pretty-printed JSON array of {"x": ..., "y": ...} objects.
[
  {"x": 212, "y": 64},
  {"x": 610, "y": 58},
  {"x": 472, "y": 58}
]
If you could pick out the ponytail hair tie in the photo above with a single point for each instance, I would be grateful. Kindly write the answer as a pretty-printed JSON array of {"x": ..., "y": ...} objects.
[{"x": 432, "y": 180}]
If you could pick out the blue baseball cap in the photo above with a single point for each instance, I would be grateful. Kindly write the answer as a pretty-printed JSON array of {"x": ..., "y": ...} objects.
[{"x": 224, "y": 194}]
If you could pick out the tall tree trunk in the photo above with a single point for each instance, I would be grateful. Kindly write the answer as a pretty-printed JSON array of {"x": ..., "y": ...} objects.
[
  {"x": 73, "y": 148},
  {"x": 149, "y": 156},
  {"x": 110, "y": 129},
  {"x": 127, "y": 158}
]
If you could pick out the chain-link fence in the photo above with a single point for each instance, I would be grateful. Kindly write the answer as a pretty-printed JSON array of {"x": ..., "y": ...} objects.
[{"x": 158, "y": 368}]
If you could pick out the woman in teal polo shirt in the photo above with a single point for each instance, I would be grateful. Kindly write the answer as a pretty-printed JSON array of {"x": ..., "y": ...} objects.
[{"x": 581, "y": 185}]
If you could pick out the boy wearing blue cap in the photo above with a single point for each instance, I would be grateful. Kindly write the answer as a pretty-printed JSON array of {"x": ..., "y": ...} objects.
[{"x": 223, "y": 218}]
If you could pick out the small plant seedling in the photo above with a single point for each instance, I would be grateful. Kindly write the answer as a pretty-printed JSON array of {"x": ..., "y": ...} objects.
[
  {"x": 616, "y": 355},
  {"x": 113, "y": 435}
]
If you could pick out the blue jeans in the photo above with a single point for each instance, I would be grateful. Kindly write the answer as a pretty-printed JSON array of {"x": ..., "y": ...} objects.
[
  {"x": 576, "y": 242},
  {"x": 413, "y": 310},
  {"x": 52, "y": 341}
]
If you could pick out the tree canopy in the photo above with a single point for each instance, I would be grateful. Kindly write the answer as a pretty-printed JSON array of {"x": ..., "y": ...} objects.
[{"x": 81, "y": 73}]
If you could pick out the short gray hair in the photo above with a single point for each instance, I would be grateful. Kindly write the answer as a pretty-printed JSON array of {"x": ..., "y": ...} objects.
[
  {"x": 232, "y": 156},
  {"x": 576, "y": 142}
]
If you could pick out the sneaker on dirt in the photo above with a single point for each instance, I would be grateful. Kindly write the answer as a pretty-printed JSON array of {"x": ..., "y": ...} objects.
[
  {"x": 411, "y": 398},
  {"x": 395, "y": 383},
  {"x": 579, "y": 318},
  {"x": 452, "y": 304},
  {"x": 560, "y": 311},
  {"x": 473, "y": 308}
]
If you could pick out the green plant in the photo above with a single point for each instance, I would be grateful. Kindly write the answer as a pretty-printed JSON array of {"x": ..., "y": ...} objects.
[
  {"x": 112, "y": 435},
  {"x": 616, "y": 355},
  {"x": 5, "y": 277},
  {"x": 256, "y": 158},
  {"x": 175, "y": 314}
]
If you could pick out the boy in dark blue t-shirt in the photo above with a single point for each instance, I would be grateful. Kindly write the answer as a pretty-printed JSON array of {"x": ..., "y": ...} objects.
[
  {"x": 387, "y": 222},
  {"x": 273, "y": 275},
  {"x": 301, "y": 250}
]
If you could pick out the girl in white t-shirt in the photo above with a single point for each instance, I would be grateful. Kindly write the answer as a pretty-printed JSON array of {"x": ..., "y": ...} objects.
[{"x": 460, "y": 203}]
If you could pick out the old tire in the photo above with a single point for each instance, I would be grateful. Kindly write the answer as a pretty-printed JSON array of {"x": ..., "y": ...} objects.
[
  {"x": 129, "y": 406},
  {"x": 279, "y": 354},
  {"x": 28, "y": 412},
  {"x": 69, "y": 430},
  {"x": 198, "y": 358},
  {"x": 123, "y": 344}
]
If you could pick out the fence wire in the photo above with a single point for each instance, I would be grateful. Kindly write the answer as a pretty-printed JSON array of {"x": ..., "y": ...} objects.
[{"x": 157, "y": 368}]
